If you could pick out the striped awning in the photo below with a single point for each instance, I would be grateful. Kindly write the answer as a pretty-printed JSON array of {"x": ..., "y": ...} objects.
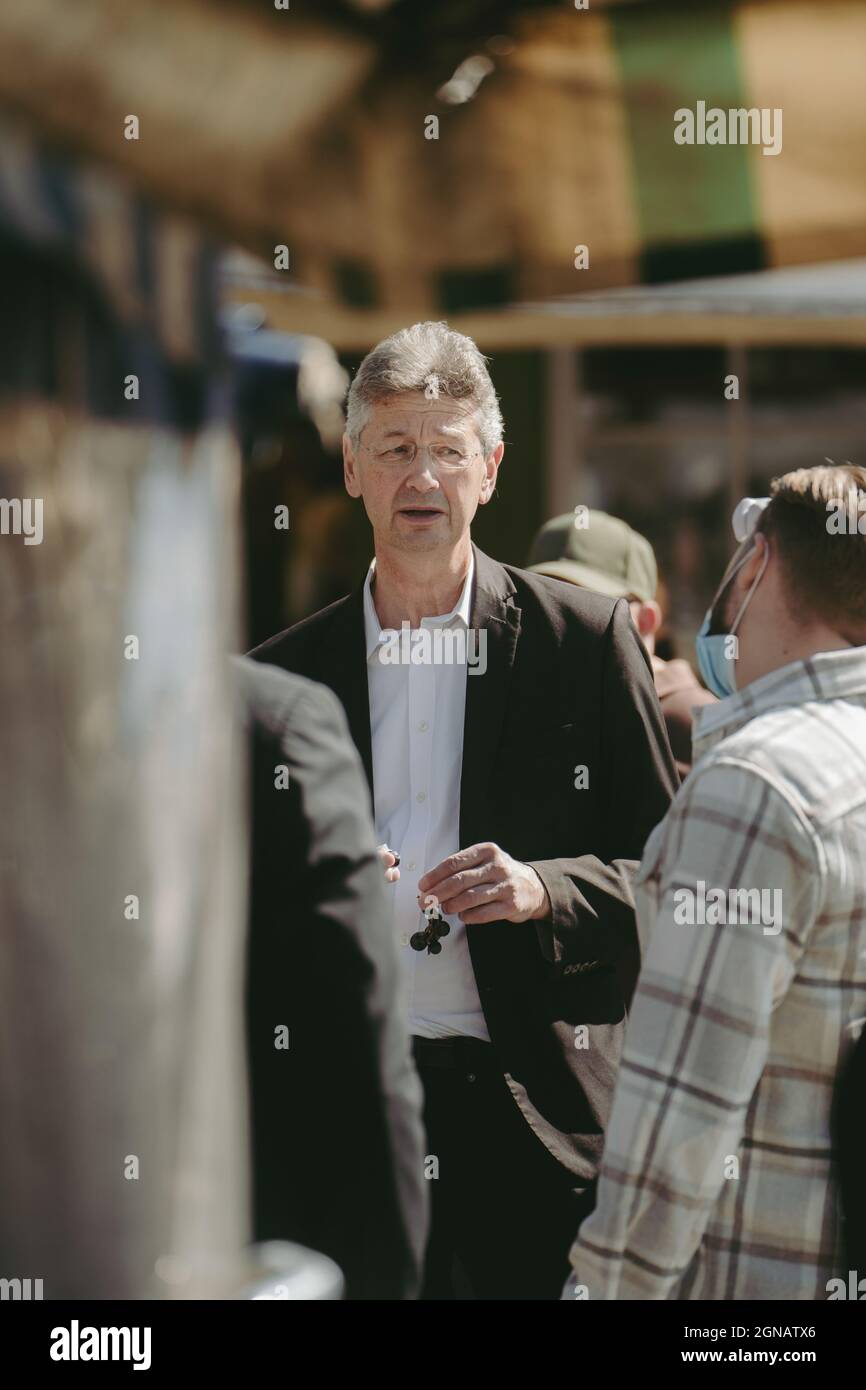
[{"x": 554, "y": 130}]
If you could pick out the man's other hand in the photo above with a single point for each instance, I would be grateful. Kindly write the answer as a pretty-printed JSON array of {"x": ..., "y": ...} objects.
[{"x": 389, "y": 861}]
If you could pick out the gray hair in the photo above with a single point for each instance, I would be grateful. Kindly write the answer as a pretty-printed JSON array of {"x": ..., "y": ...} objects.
[{"x": 406, "y": 362}]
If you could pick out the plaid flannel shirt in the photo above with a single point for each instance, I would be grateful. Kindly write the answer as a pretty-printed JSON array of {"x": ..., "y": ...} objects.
[{"x": 716, "y": 1180}]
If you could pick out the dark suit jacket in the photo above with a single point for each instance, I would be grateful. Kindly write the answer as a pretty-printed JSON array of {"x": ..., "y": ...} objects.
[
  {"x": 568, "y": 683},
  {"x": 337, "y": 1140},
  {"x": 679, "y": 692},
  {"x": 849, "y": 1142}
]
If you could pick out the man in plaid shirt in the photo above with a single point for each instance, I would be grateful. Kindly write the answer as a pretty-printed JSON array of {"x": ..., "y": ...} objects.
[{"x": 717, "y": 1177}]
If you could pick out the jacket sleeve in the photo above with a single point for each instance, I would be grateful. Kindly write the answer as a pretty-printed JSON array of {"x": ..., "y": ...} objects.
[{"x": 592, "y": 904}]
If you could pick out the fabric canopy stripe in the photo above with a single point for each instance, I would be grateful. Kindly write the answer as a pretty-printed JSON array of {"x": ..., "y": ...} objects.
[
  {"x": 723, "y": 209},
  {"x": 695, "y": 204}
]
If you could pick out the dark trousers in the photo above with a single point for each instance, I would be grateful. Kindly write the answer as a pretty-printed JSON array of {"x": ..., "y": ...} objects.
[{"x": 504, "y": 1211}]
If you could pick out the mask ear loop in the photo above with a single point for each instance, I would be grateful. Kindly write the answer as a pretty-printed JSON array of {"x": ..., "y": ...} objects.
[
  {"x": 758, "y": 577},
  {"x": 734, "y": 567}
]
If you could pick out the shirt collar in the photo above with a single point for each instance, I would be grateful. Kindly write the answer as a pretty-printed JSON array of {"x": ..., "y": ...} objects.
[
  {"x": 825, "y": 676},
  {"x": 461, "y": 612}
]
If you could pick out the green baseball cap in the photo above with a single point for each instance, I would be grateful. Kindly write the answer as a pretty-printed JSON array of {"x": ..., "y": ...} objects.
[{"x": 598, "y": 552}]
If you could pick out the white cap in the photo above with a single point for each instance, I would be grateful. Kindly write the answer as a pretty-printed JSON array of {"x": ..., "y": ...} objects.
[{"x": 747, "y": 514}]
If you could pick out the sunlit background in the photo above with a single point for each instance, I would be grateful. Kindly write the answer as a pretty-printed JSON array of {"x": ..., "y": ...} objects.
[{"x": 209, "y": 211}]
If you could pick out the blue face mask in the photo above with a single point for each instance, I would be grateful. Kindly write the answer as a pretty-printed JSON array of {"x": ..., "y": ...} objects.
[{"x": 716, "y": 667}]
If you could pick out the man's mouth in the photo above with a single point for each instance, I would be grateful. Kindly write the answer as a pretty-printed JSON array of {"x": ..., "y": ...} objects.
[{"x": 420, "y": 513}]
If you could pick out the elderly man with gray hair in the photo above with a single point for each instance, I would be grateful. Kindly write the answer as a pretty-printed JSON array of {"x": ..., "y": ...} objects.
[{"x": 516, "y": 755}]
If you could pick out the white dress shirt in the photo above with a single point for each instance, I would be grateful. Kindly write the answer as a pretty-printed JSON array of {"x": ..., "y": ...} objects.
[{"x": 416, "y": 723}]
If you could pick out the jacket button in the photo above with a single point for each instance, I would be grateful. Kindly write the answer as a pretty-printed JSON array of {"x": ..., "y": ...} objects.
[{"x": 470, "y": 1076}]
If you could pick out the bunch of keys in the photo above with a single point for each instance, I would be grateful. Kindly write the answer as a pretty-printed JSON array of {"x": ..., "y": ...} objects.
[{"x": 436, "y": 926}]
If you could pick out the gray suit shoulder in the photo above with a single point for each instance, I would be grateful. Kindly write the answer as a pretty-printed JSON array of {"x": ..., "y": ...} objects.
[
  {"x": 275, "y": 699},
  {"x": 302, "y": 637}
]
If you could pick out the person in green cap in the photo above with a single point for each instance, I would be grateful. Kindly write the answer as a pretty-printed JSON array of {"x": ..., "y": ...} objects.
[{"x": 600, "y": 552}]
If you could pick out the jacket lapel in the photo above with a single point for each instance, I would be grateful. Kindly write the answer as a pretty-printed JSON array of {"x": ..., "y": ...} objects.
[{"x": 496, "y": 620}]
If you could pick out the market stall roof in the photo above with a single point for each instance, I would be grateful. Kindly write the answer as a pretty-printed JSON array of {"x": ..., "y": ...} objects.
[{"x": 823, "y": 304}]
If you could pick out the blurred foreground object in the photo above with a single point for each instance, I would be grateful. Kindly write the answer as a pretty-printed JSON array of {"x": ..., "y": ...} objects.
[
  {"x": 279, "y": 1270},
  {"x": 122, "y": 1144}
]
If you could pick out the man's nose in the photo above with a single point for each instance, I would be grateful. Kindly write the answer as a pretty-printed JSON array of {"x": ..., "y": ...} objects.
[{"x": 422, "y": 476}]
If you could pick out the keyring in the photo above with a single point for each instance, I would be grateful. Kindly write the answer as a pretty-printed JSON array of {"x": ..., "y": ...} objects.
[{"x": 436, "y": 927}]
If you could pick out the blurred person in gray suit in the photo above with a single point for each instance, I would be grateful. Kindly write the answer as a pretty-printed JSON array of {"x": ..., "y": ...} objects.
[{"x": 335, "y": 1102}]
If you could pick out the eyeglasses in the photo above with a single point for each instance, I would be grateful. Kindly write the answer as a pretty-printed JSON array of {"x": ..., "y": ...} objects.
[{"x": 446, "y": 456}]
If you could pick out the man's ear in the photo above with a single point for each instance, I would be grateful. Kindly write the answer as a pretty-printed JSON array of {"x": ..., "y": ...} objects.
[
  {"x": 350, "y": 474},
  {"x": 648, "y": 618},
  {"x": 749, "y": 573},
  {"x": 491, "y": 469},
  {"x": 744, "y": 579}
]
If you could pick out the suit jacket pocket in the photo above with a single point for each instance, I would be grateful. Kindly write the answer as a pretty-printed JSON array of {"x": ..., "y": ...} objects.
[{"x": 586, "y": 992}]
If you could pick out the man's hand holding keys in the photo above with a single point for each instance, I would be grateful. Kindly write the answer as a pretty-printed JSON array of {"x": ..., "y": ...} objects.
[{"x": 484, "y": 884}]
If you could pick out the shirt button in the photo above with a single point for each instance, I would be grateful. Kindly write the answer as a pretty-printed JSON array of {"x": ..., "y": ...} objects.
[
  {"x": 411, "y": 864},
  {"x": 423, "y": 726},
  {"x": 404, "y": 940},
  {"x": 422, "y": 796}
]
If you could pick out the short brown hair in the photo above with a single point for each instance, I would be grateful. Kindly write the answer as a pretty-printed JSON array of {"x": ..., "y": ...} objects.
[{"x": 823, "y": 563}]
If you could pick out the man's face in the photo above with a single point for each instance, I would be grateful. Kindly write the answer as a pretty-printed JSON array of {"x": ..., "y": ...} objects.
[{"x": 420, "y": 470}]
